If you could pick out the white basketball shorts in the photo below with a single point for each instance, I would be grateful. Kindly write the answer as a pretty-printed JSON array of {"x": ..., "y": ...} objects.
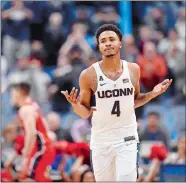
[{"x": 116, "y": 163}]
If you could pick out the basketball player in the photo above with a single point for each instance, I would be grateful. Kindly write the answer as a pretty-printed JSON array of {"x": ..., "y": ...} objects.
[
  {"x": 115, "y": 85},
  {"x": 38, "y": 152}
]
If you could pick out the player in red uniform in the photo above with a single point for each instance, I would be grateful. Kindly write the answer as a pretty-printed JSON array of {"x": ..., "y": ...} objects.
[{"x": 38, "y": 152}]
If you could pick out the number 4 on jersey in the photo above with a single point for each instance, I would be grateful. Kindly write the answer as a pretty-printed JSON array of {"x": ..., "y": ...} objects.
[{"x": 116, "y": 108}]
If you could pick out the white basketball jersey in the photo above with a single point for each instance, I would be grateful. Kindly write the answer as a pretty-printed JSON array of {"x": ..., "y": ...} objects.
[{"x": 113, "y": 114}]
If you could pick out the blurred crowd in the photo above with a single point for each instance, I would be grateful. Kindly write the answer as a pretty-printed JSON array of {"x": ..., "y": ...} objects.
[{"x": 49, "y": 43}]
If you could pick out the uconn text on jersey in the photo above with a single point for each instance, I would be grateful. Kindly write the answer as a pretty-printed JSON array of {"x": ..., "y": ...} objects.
[{"x": 115, "y": 93}]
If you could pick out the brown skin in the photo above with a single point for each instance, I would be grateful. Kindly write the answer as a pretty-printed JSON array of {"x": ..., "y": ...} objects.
[{"x": 111, "y": 66}]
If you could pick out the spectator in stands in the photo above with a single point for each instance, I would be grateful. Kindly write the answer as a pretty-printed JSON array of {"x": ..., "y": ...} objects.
[
  {"x": 40, "y": 11},
  {"x": 158, "y": 36},
  {"x": 17, "y": 34},
  {"x": 105, "y": 14},
  {"x": 152, "y": 65},
  {"x": 180, "y": 98},
  {"x": 180, "y": 23},
  {"x": 145, "y": 35},
  {"x": 8, "y": 154},
  {"x": 66, "y": 8},
  {"x": 176, "y": 62},
  {"x": 173, "y": 48},
  {"x": 168, "y": 43},
  {"x": 83, "y": 15},
  {"x": 78, "y": 169},
  {"x": 157, "y": 19},
  {"x": 101, "y": 4},
  {"x": 40, "y": 81},
  {"x": 130, "y": 51},
  {"x": 62, "y": 80},
  {"x": 75, "y": 149},
  {"x": 81, "y": 129},
  {"x": 38, "y": 51},
  {"x": 77, "y": 61},
  {"x": 53, "y": 38},
  {"x": 21, "y": 73},
  {"x": 9, "y": 133},
  {"x": 53, "y": 120},
  {"x": 178, "y": 157},
  {"x": 4, "y": 68},
  {"x": 153, "y": 131},
  {"x": 94, "y": 57},
  {"x": 30, "y": 70},
  {"x": 75, "y": 55},
  {"x": 77, "y": 37}
]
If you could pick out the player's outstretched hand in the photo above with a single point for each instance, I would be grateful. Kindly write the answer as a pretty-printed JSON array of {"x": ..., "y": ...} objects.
[
  {"x": 73, "y": 98},
  {"x": 161, "y": 87}
]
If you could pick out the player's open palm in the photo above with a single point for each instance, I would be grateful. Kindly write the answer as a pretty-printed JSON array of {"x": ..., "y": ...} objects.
[
  {"x": 161, "y": 87},
  {"x": 73, "y": 97}
]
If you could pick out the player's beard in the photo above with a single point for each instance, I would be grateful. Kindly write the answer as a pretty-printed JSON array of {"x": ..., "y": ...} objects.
[
  {"x": 111, "y": 55},
  {"x": 108, "y": 56}
]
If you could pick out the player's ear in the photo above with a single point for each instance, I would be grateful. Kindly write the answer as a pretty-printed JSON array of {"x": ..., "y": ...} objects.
[{"x": 121, "y": 45}]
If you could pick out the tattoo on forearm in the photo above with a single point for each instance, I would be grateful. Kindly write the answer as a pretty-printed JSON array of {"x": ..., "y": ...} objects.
[{"x": 143, "y": 98}]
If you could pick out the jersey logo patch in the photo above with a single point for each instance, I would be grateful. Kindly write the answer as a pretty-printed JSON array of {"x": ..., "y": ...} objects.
[
  {"x": 126, "y": 80},
  {"x": 101, "y": 78}
]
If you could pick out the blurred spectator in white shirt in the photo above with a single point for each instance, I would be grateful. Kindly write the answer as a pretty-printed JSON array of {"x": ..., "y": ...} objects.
[
  {"x": 173, "y": 48},
  {"x": 17, "y": 33},
  {"x": 4, "y": 68},
  {"x": 168, "y": 43},
  {"x": 180, "y": 23}
]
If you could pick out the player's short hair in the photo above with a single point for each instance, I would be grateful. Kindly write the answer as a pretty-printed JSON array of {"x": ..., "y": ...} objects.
[
  {"x": 108, "y": 27},
  {"x": 23, "y": 86}
]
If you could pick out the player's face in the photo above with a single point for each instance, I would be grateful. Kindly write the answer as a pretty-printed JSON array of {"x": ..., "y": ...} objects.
[
  {"x": 15, "y": 96},
  {"x": 109, "y": 43}
]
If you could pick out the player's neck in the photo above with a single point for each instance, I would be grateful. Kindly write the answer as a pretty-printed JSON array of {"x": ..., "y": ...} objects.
[
  {"x": 112, "y": 63},
  {"x": 25, "y": 100}
]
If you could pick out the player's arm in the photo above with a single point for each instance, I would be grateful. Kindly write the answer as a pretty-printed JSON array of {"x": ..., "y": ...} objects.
[
  {"x": 28, "y": 116},
  {"x": 81, "y": 103},
  {"x": 143, "y": 98}
]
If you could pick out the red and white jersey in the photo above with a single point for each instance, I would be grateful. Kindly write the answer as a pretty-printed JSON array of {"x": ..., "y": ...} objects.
[
  {"x": 113, "y": 114},
  {"x": 43, "y": 139}
]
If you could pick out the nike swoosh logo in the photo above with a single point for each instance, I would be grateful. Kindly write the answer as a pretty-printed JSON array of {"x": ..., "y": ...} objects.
[
  {"x": 103, "y": 84},
  {"x": 125, "y": 80}
]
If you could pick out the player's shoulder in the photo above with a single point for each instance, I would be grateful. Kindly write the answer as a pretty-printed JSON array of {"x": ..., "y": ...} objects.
[
  {"x": 27, "y": 109},
  {"x": 134, "y": 68},
  {"x": 88, "y": 73}
]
